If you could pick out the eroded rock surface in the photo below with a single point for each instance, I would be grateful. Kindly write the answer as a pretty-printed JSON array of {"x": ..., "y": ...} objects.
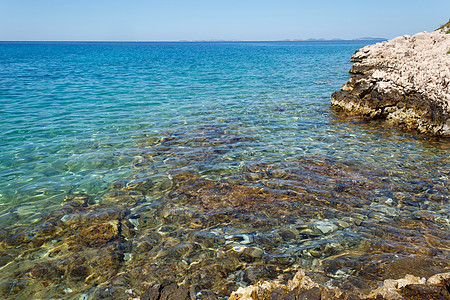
[
  {"x": 405, "y": 81},
  {"x": 302, "y": 287}
]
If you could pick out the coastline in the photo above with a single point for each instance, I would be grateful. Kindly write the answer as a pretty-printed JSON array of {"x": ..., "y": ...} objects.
[{"x": 405, "y": 81}]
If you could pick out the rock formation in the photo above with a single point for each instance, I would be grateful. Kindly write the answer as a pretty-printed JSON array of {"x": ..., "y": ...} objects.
[
  {"x": 405, "y": 81},
  {"x": 302, "y": 287}
]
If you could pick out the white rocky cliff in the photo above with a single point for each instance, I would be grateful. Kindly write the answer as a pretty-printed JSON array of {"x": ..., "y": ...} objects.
[{"x": 405, "y": 81}]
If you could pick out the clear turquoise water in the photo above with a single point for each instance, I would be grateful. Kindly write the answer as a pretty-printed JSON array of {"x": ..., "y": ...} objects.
[
  {"x": 73, "y": 114},
  {"x": 201, "y": 153}
]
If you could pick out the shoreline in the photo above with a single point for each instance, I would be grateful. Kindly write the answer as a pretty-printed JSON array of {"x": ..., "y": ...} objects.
[{"x": 405, "y": 81}]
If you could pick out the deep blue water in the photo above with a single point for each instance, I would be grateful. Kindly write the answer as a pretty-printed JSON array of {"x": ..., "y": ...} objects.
[{"x": 73, "y": 114}]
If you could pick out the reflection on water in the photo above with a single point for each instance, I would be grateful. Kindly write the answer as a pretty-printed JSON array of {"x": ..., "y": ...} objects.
[
  {"x": 213, "y": 165},
  {"x": 211, "y": 207}
]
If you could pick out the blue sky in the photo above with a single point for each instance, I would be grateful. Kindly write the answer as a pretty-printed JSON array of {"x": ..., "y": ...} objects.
[{"x": 172, "y": 20}]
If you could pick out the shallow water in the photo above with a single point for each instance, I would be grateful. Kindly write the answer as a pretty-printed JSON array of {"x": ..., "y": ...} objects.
[{"x": 209, "y": 164}]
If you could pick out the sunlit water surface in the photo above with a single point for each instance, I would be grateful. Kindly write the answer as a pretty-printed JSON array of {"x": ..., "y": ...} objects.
[{"x": 244, "y": 129}]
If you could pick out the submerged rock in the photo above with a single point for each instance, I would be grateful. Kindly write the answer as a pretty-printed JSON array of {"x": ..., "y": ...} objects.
[
  {"x": 182, "y": 233},
  {"x": 405, "y": 81},
  {"x": 171, "y": 291}
]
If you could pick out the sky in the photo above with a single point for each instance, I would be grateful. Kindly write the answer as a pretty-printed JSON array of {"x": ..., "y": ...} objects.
[{"x": 252, "y": 20}]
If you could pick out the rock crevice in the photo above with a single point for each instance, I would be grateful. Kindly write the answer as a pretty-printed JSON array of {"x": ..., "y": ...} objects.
[{"x": 404, "y": 80}]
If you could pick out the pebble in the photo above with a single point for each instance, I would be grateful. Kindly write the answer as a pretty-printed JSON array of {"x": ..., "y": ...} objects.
[
  {"x": 315, "y": 252},
  {"x": 326, "y": 227},
  {"x": 240, "y": 238},
  {"x": 253, "y": 252},
  {"x": 135, "y": 223},
  {"x": 238, "y": 249},
  {"x": 343, "y": 224},
  {"x": 127, "y": 256},
  {"x": 390, "y": 202}
]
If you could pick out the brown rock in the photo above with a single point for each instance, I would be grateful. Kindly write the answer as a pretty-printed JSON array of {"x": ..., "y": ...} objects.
[
  {"x": 99, "y": 234},
  {"x": 312, "y": 294},
  {"x": 152, "y": 293},
  {"x": 255, "y": 273},
  {"x": 277, "y": 294},
  {"x": 423, "y": 291},
  {"x": 173, "y": 291}
]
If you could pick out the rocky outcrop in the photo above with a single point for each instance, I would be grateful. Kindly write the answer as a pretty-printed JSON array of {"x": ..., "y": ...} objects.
[
  {"x": 405, "y": 81},
  {"x": 302, "y": 287}
]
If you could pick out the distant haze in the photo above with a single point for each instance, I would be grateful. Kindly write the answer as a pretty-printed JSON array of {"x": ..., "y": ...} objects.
[{"x": 173, "y": 20}]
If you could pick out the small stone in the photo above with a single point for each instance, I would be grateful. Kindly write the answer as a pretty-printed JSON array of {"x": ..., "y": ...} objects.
[
  {"x": 357, "y": 221},
  {"x": 254, "y": 273},
  {"x": 174, "y": 291},
  {"x": 240, "y": 238},
  {"x": 390, "y": 202},
  {"x": 254, "y": 252},
  {"x": 343, "y": 224},
  {"x": 79, "y": 271},
  {"x": 135, "y": 223},
  {"x": 312, "y": 294},
  {"x": 326, "y": 227},
  {"x": 152, "y": 293},
  {"x": 227, "y": 288},
  {"x": 238, "y": 249},
  {"x": 315, "y": 252},
  {"x": 308, "y": 233},
  {"x": 127, "y": 256},
  {"x": 83, "y": 297},
  {"x": 277, "y": 294}
]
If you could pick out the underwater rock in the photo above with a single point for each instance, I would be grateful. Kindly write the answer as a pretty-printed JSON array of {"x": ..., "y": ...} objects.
[
  {"x": 99, "y": 234},
  {"x": 256, "y": 272},
  {"x": 326, "y": 227},
  {"x": 128, "y": 197},
  {"x": 205, "y": 238},
  {"x": 174, "y": 291},
  {"x": 152, "y": 293},
  {"x": 171, "y": 291},
  {"x": 33, "y": 236}
]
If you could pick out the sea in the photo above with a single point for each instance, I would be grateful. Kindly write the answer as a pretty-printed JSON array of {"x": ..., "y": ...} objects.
[{"x": 208, "y": 164}]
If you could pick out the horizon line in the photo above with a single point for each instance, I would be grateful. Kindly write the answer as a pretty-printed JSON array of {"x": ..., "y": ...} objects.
[{"x": 201, "y": 41}]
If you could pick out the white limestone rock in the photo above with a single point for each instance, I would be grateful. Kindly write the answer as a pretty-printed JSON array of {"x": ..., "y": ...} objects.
[{"x": 405, "y": 80}]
